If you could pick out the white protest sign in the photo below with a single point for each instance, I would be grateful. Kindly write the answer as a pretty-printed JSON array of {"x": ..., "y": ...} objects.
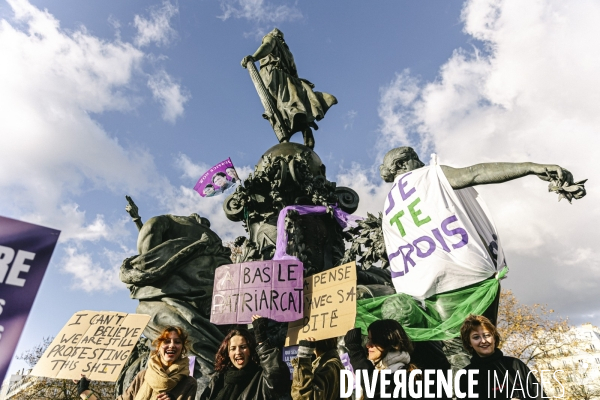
[
  {"x": 437, "y": 239},
  {"x": 93, "y": 343},
  {"x": 329, "y": 305}
]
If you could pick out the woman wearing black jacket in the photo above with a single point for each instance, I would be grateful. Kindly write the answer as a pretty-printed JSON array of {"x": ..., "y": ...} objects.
[
  {"x": 245, "y": 371},
  {"x": 388, "y": 348},
  {"x": 499, "y": 376}
]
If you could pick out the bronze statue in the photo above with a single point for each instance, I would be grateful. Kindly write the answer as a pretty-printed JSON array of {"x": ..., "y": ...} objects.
[
  {"x": 290, "y": 103},
  {"x": 440, "y": 286},
  {"x": 172, "y": 277}
]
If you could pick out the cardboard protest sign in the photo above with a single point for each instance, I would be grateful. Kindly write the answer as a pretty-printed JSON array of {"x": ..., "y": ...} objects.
[
  {"x": 438, "y": 239},
  {"x": 271, "y": 289},
  {"x": 219, "y": 179},
  {"x": 329, "y": 305},
  {"x": 93, "y": 343},
  {"x": 25, "y": 251}
]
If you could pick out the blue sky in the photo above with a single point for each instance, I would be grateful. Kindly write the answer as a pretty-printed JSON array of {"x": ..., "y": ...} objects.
[{"x": 105, "y": 98}]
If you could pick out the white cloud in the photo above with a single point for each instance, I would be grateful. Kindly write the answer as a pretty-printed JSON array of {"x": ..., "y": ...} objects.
[
  {"x": 54, "y": 153},
  {"x": 88, "y": 275},
  {"x": 190, "y": 170},
  {"x": 349, "y": 119},
  {"x": 52, "y": 82},
  {"x": 369, "y": 187},
  {"x": 169, "y": 94},
  {"x": 259, "y": 11},
  {"x": 531, "y": 95},
  {"x": 157, "y": 28}
]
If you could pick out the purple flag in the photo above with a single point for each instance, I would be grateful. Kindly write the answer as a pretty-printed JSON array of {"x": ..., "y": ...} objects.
[
  {"x": 25, "y": 251},
  {"x": 271, "y": 289},
  {"x": 219, "y": 179}
]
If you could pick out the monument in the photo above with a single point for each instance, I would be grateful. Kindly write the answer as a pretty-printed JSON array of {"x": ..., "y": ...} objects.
[
  {"x": 290, "y": 103},
  {"x": 289, "y": 208}
]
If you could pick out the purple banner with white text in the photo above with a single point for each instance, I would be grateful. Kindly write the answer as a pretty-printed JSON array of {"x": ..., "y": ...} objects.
[
  {"x": 288, "y": 354},
  {"x": 271, "y": 289},
  {"x": 221, "y": 178},
  {"x": 25, "y": 251}
]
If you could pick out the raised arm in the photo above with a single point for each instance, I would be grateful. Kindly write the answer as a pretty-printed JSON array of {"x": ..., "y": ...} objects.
[
  {"x": 132, "y": 210},
  {"x": 487, "y": 173},
  {"x": 265, "y": 48},
  {"x": 275, "y": 373}
]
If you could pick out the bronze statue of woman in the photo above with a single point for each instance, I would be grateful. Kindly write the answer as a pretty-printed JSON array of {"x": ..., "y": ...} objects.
[{"x": 297, "y": 105}]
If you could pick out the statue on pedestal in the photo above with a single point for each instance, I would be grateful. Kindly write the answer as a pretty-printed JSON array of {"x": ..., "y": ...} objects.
[{"x": 290, "y": 103}]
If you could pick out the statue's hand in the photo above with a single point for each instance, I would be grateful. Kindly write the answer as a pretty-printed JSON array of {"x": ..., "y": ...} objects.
[
  {"x": 548, "y": 172},
  {"x": 131, "y": 208},
  {"x": 246, "y": 60},
  {"x": 561, "y": 182}
]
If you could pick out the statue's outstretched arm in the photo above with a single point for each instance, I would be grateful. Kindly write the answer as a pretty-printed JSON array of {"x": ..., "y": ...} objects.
[
  {"x": 265, "y": 48},
  {"x": 483, "y": 174},
  {"x": 132, "y": 209}
]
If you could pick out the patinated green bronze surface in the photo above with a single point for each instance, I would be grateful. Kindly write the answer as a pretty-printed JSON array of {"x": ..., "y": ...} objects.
[
  {"x": 172, "y": 277},
  {"x": 291, "y": 104},
  {"x": 289, "y": 174},
  {"x": 403, "y": 159}
]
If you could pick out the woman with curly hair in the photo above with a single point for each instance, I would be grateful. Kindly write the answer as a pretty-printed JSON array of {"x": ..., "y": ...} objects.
[
  {"x": 500, "y": 376},
  {"x": 168, "y": 374},
  {"x": 245, "y": 370}
]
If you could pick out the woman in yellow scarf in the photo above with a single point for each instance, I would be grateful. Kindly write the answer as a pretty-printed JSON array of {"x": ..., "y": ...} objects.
[{"x": 168, "y": 374}]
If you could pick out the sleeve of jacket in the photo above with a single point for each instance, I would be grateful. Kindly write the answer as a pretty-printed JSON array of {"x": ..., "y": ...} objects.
[
  {"x": 302, "y": 379},
  {"x": 358, "y": 358},
  {"x": 190, "y": 393},
  {"x": 275, "y": 373},
  {"x": 133, "y": 388},
  {"x": 323, "y": 384}
]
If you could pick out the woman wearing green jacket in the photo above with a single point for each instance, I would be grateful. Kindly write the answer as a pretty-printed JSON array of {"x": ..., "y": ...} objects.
[{"x": 318, "y": 379}]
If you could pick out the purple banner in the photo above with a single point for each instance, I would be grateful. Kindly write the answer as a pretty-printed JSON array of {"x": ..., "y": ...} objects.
[
  {"x": 25, "y": 251},
  {"x": 271, "y": 289},
  {"x": 219, "y": 179},
  {"x": 288, "y": 354}
]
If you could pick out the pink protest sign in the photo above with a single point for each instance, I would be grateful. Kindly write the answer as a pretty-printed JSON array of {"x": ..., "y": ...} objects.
[
  {"x": 271, "y": 289},
  {"x": 219, "y": 179}
]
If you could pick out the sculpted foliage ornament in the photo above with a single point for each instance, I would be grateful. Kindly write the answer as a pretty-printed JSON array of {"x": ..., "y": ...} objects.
[{"x": 290, "y": 174}]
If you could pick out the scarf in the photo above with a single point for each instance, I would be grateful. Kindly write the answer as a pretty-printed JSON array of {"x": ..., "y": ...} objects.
[
  {"x": 159, "y": 380},
  {"x": 235, "y": 381},
  {"x": 393, "y": 360}
]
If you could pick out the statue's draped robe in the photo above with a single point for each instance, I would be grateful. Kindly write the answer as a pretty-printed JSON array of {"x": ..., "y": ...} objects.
[
  {"x": 174, "y": 283},
  {"x": 297, "y": 103}
]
